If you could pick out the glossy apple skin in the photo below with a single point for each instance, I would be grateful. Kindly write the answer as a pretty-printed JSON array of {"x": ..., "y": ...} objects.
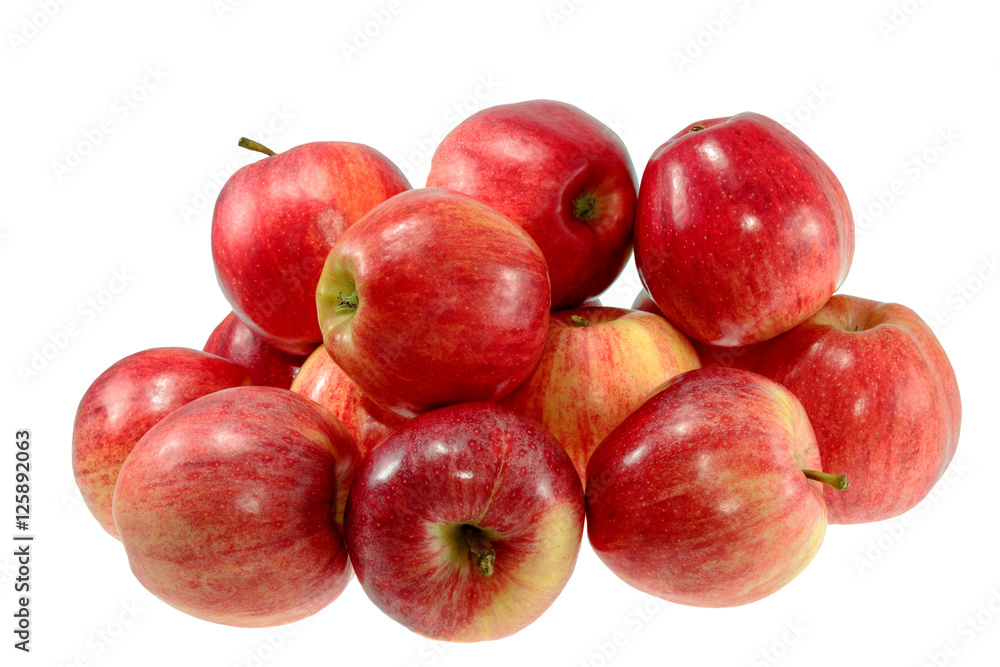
[
  {"x": 268, "y": 366},
  {"x": 453, "y": 302},
  {"x": 274, "y": 224},
  {"x": 127, "y": 400},
  {"x": 598, "y": 365},
  {"x": 323, "y": 381},
  {"x": 742, "y": 231},
  {"x": 882, "y": 397},
  {"x": 533, "y": 161},
  {"x": 231, "y": 509},
  {"x": 473, "y": 464},
  {"x": 699, "y": 498}
]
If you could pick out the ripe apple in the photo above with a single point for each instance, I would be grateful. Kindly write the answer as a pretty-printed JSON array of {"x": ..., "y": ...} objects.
[
  {"x": 882, "y": 397},
  {"x": 598, "y": 365},
  {"x": 704, "y": 495},
  {"x": 126, "y": 401},
  {"x": 742, "y": 232},
  {"x": 323, "y": 381},
  {"x": 275, "y": 222},
  {"x": 561, "y": 175},
  {"x": 268, "y": 366},
  {"x": 465, "y": 523},
  {"x": 231, "y": 509},
  {"x": 434, "y": 299}
]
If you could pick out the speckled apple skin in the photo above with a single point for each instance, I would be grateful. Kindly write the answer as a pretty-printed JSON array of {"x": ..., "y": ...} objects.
[
  {"x": 883, "y": 400},
  {"x": 268, "y": 366},
  {"x": 125, "y": 401},
  {"x": 532, "y": 161},
  {"x": 453, "y": 302},
  {"x": 231, "y": 509},
  {"x": 699, "y": 498},
  {"x": 323, "y": 381},
  {"x": 274, "y": 224},
  {"x": 475, "y": 464},
  {"x": 591, "y": 377},
  {"x": 742, "y": 231}
]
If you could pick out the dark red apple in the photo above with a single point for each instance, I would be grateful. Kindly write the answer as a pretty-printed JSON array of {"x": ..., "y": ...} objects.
[
  {"x": 323, "y": 381},
  {"x": 275, "y": 222},
  {"x": 231, "y": 508},
  {"x": 882, "y": 397},
  {"x": 742, "y": 231},
  {"x": 704, "y": 495},
  {"x": 465, "y": 523},
  {"x": 434, "y": 299},
  {"x": 268, "y": 366},
  {"x": 126, "y": 401},
  {"x": 560, "y": 174}
]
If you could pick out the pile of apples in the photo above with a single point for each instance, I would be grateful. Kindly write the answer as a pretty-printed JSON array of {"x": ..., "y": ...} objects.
[{"x": 420, "y": 385}]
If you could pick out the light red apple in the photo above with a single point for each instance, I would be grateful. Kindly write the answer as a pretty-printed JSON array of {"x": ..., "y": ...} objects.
[
  {"x": 560, "y": 174},
  {"x": 323, "y": 381},
  {"x": 268, "y": 366},
  {"x": 705, "y": 494},
  {"x": 465, "y": 523},
  {"x": 275, "y": 222},
  {"x": 231, "y": 509},
  {"x": 129, "y": 398},
  {"x": 598, "y": 365},
  {"x": 434, "y": 299},
  {"x": 882, "y": 397},
  {"x": 742, "y": 231}
]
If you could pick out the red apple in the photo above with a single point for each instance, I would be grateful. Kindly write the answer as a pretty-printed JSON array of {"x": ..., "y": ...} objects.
[
  {"x": 598, "y": 365},
  {"x": 465, "y": 524},
  {"x": 323, "y": 381},
  {"x": 881, "y": 396},
  {"x": 231, "y": 509},
  {"x": 268, "y": 366},
  {"x": 703, "y": 495},
  {"x": 126, "y": 401},
  {"x": 434, "y": 299},
  {"x": 275, "y": 222},
  {"x": 560, "y": 174},
  {"x": 742, "y": 232}
]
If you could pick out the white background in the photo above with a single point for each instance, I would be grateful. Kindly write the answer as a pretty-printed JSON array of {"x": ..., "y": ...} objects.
[{"x": 880, "y": 96}]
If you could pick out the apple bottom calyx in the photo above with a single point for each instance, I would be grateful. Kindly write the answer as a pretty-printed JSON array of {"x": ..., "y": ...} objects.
[
  {"x": 585, "y": 207},
  {"x": 346, "y": 303},
  {"x": 480, "y": 547},
  {"x": 839, "y": 482}
]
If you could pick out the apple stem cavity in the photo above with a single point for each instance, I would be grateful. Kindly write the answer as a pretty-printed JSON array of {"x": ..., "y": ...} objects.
[
  {"x": 585, "y": 207},
  {"x": 480, "y": 547},
  {"x": 838, "y": 482},
  {"x": 252, "y": 145},
  {"x": 580, "y": 321},
  {"x": 347, "y": 303}
]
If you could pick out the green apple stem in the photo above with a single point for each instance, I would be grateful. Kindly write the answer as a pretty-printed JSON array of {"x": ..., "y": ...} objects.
[
  {"x": 585, "y": 207},
  {"x": 347, "y": 303},
  {"x": 250, "y": 144},
  {"x": 838, "y": 482},
  {"x": 580, "y": 321},
  {"x": 480, "y": 548}
]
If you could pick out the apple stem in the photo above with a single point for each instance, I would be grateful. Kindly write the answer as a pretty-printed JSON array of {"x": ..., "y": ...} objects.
[
  {"x": 480, "y": 548},
  {"x": 349, "y": 302},
  {"x": 586, "y": 207},
  {"x": 697, "y": 128},
  {"x": 838, "y": 482},
  {"x": 580, "y": 321},
  {"x": 252, "y": 145}
]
